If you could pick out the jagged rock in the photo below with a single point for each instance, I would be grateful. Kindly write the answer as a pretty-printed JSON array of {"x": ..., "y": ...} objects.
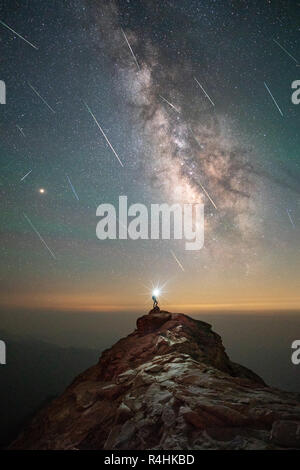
[
  {"x": 148, "y": 324},
  {"x": 155, "y": 310},
  {"x": 168, "y": 385}
]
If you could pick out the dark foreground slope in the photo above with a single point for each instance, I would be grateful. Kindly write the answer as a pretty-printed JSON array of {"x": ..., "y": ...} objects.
[
  {"x": 35, "y": 372},
  {"x": 168, "y": 385}
]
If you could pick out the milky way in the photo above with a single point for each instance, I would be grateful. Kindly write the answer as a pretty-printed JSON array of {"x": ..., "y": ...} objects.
[{"x": 189, "y": 150}]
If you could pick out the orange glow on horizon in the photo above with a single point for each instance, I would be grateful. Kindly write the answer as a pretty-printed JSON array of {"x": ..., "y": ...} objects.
[{"x": 94, "y": 303}]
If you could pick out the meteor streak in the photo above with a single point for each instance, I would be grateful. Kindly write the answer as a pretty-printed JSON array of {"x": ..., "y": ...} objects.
[
  {"x": 130, "y": 48},
  {"x": 177, "y": 260},
  {"x": 103, "y": 133},
  {"x": 269, "y": 91},
  {"x": 44, "y": 101},
  {"x": 17, "y": 34},
  {"x": 21, "y": 130},
  {"x": 207, "y": 96},
  {"x": 39, "y": 235},
  {"x": 204, "y": 190},
  {"x": 290, "y": 217},
  {"x": 23, "y": 177},
  {"x": 72, "y": 187},
  {"x": 287, "y": 52},
  {"x": 170, "y": 104}
]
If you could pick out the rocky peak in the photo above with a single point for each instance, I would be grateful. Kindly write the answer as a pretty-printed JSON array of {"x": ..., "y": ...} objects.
[{"x": 168, "y": 385}]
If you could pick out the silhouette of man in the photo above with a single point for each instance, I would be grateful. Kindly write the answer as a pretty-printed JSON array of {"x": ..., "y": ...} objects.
[{"x": 155, "y": 302}]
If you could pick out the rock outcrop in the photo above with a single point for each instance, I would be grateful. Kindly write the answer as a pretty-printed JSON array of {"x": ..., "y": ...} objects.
[{"x": 168, "y": 385}]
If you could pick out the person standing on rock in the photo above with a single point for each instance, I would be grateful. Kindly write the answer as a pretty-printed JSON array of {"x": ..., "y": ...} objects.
[{"x": 155, "y": 301}]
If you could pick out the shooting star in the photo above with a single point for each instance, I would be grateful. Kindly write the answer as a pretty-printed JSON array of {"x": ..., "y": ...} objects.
[
  {"x": 103, "y": 133},
  {"x": 19, "y": 35},
  {"x": 44, "y": 101},
  {"x": 269, "y": 91},
  {"x": 204, "y": 190},
  {"x": 72, "y": 187},
  {"x": 287, "y": 52},
  {"x": 21, "y": 130},
  {"x": 177, "y": 260},
  {"x": 170, "y": 104},
  {"x": 207, "y": 96},
  {"x": 130, "y": 48},
  {"x": 39, "y": 235},
  {"x": 25, "y": 176},
  {"x": 290, "y": 217}
]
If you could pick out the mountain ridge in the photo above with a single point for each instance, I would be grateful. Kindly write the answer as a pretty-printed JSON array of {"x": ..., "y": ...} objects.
[{"x": 167, "y": 385}]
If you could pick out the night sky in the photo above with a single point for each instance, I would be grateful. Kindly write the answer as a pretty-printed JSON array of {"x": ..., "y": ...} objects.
[{"x": 236, "y": 144}]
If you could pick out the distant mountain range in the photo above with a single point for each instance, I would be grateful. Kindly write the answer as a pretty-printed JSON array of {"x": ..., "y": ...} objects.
[{"x": 35, "y": 373}]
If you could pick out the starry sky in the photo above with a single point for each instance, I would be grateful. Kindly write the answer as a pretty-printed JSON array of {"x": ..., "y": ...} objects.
[{"x": 188, "y": 107}]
